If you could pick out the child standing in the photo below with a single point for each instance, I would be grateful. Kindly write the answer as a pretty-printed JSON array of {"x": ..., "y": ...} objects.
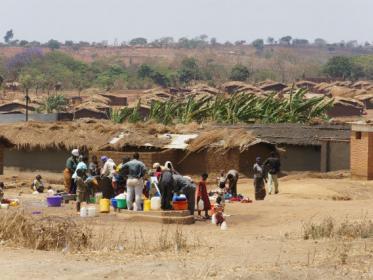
[
  {"x": 37, "y": 184},
  {"x": 81, "y": 189},
  {"x": 202, "y": 195}
]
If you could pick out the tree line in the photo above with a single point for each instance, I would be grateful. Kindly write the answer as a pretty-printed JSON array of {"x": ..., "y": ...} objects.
[
  {"x": 42, "y": 71},
  {"x": 200, "y": 41}
]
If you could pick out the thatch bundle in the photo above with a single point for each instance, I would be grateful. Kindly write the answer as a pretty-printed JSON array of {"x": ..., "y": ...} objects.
[{"x": 222, "y": 139}]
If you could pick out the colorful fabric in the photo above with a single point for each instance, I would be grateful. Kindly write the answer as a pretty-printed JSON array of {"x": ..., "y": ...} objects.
[
  {"x": 81, "y": 190},
  {"x": 71, "y": 164},
  {"x": 67, "y": 179},
  {"x": 202, "y": 194}
]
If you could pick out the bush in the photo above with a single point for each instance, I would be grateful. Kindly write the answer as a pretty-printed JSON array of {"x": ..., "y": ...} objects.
[{"x": 239, "y": 73}]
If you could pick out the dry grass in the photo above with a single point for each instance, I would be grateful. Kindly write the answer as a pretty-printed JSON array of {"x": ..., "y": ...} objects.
[
  {"x": 46, "y": 233},
  {"x": 348, "y": 229},
  {"x": 134, "y": 241},
  {"x": 223, "y": 139}
]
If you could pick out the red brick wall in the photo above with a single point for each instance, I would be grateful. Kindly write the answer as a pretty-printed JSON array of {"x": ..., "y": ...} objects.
[{"x": 362, "y": 155}]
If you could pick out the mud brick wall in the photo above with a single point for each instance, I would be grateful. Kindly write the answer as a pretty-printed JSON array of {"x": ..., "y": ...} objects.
[
  {"x": 1, "y": 160},
  {"x": 218, "y": 161},
  {"x": 146, "y": 158},
  {"x": 361, "y": 155}
]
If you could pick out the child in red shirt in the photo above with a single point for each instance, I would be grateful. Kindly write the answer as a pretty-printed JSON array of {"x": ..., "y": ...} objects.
[{"x": 202, "y": 195}]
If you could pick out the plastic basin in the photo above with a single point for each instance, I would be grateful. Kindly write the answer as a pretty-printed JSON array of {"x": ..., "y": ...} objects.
[
  {"x": 121, "y": 203},
  {"x": 114, "y": 203},
  {"x": 54, "y": 201},
  {"x": 180, "y": 205}
]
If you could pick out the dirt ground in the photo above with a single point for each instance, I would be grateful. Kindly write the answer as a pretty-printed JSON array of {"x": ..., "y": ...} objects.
[{"x": 264, "y": 240}]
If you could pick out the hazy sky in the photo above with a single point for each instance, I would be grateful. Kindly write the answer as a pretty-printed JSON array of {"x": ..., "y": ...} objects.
[{"x": 97, "y": 20}]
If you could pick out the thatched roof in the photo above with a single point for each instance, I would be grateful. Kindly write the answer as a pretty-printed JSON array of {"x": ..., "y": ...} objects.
[
  {"x": 65, "y": 136},
  {"x": 223, "y": 139},
  {"x": 299, "y": 134},
  {"x": 5, "y": 142},
  {"x": 236, "y": 87}
]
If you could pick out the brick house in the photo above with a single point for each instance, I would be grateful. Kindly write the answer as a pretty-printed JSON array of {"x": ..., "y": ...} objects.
[{"x": 361, "y": 151}]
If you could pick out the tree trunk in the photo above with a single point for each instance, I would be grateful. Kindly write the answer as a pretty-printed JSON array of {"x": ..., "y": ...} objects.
[{"x": 26, "y": 104}]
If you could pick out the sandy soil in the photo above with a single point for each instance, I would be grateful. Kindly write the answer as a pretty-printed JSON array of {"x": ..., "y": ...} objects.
[{"x": 263, "y": 241}]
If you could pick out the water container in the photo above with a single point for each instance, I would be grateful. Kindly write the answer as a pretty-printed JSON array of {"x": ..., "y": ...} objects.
[
  {"x": 104, "y": 205},
  {"x": 155, "y": 203},
  {"x": 84, "y": 212},
  {"x": 224, "y": 226},
  {"x": 213, "y": 219},
  {"x": 98, "y": 196},
  {"x": 200, "y": 205},
  {"x": 91, "y": 211},
  {"x": 121, "y": 203},
  {"x": 4, "y": 206},
  {"x": 147, "y": 205}
]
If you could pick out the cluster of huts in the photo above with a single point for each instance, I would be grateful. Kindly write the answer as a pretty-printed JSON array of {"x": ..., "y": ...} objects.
[
  {"x": 45, "y": 146},
  {"x": 351, "y": 99},
  {"x": 96, "y": 106}
]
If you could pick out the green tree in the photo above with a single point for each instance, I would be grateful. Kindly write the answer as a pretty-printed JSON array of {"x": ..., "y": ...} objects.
[
  {"x": 54, "y": 103},
  {"x": 23, "y": 43},
  {"x": 26, "y": 82},
  {"x": 189, "y": 71},
  {"x": 286, "y": 40},
  {"x": 8, "y": 36},
  {"x": 138, "y": 41},
  {"x": 270, "y": 40},
  {"x": 239, "y": 73},
  {"x": 258, "y": 44},
  {"x": 341, "y": 67},
  {"x": 53, "y": 44},
  {"x": 145, "y": 71}
]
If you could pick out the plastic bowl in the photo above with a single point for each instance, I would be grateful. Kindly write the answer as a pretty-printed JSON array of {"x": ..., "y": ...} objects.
[
  {"x": 121, "y": 203},
  {"x": 54, "y": 201},
  {"x": 180, "y": 205}
]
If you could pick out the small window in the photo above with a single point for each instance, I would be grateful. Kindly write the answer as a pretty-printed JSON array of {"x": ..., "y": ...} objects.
[{"x": 358, "y": 135}]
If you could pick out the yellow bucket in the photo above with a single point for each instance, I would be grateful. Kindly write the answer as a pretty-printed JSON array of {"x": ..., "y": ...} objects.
[
  {"x": 147, "y": 205},
  {"x": 104, "y": 205}
]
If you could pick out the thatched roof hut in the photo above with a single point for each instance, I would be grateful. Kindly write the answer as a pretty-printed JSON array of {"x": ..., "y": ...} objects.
[{"x": 14, "y": 106}]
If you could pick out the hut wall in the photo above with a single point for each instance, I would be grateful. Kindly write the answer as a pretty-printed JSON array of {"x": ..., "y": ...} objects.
[
  {"x": 48, "y": 160},
  {"x": 193, "y": 164},
  {"x": 148, "y": 158},
  {"x": 117, "y": 100},
  {"x": 248, "y": 157},
  {"x": 86, "y": 113},
  {"x": 217, "y": 161},
  {"x": 301, "y": 158},
  {"x": 1, "y": 160},
  {"x": 335, "y": 155},
  {"x": 339, "y": 110}
]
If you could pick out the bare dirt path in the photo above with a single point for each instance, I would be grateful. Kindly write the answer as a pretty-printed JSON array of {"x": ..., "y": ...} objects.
[{"x": 264, "y": 241}]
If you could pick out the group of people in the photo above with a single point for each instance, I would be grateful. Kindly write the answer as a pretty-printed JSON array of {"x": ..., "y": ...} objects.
[
  {"x": 84, "y": 178},
  {"x": 263, "y": 171}
]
